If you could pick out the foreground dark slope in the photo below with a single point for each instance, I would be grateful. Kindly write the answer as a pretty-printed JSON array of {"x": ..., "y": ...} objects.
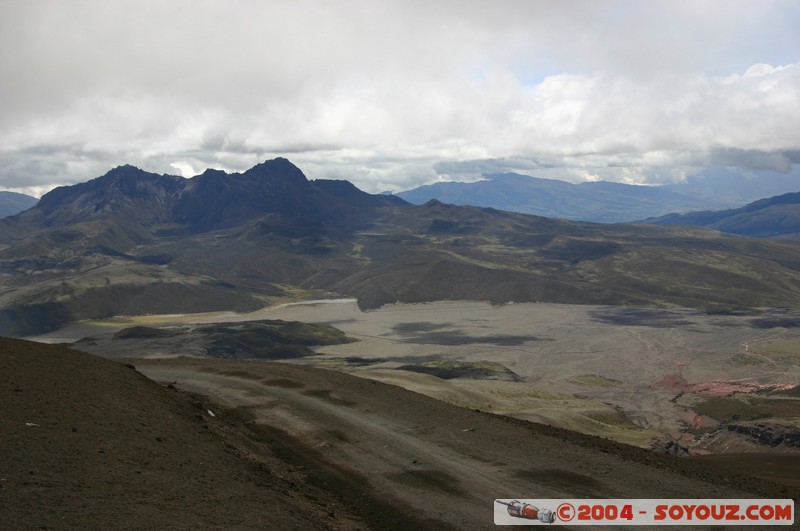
[
  {"x": 92, "y": 444},
  {"x": 131, "y": 242}
]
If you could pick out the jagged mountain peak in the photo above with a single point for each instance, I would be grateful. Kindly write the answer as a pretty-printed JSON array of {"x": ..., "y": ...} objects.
[
  {"x": 211, "y": 172},
  {"x": 212, "y": 200},
  {"x": 129, "y": 176},
  {"x": 124, "y": 169},
  {"x": 223, "y": 241},
  {"x": 125, "y": 191},
  {"x": 277, "y": 167}
]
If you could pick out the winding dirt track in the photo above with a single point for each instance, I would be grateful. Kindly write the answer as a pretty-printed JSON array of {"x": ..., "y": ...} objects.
[
  {"x": 593, "y": 369},
  {"x": 439, "y": 461}
]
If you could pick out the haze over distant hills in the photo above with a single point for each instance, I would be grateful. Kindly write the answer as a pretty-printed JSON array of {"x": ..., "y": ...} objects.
[
  {"x": 773, "y": 217},
  {"x": 133, "y": 242},
  {"x": 607, "y": 202},
  {"x": 13, "y": 203}
]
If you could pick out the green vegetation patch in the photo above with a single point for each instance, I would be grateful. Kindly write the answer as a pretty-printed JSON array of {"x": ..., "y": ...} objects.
[
  {"x": 746, "y": 359},
  {"x": 268, "y": 339},
  {"x": 355, "y": 361},
  {"x": 788, "y": 351},
  {"x": 614, "y": 418},
  {"x": 145, "y": 332},
  {"x": 745, "y": 408},
  {"x": 794, "y": 391},
  {"x": 451, "y": 369}
]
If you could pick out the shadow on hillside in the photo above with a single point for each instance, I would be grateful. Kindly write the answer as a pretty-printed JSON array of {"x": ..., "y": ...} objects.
[
  {"x": 438, "y": 334},
  {"x": 788, "y": 319},
  {"x": 641, "y": 317}
]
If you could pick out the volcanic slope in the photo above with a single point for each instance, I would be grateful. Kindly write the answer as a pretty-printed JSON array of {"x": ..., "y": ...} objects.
[
  {"x": 90, "y": 443},
  {"x": 133, "y": 242}
]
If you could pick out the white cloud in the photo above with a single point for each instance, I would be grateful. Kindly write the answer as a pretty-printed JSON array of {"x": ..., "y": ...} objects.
[
  {"x": 388, "y": 93},
  {"x": 184, "y": 168}
]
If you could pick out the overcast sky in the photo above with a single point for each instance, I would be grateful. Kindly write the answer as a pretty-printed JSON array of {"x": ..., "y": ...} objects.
[{"x": 393, "y": 94}]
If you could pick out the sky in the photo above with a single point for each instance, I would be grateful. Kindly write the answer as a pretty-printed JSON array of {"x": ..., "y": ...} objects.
[{"x": 392, "y": 94}]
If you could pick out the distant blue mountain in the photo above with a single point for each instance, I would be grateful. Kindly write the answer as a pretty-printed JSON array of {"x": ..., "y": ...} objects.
[
  {"x": 604, "y": 202},
  {"x": 774, "y": 217},
  {"x": 13, "y": 203},
  {"x": 608, "y": 202}
]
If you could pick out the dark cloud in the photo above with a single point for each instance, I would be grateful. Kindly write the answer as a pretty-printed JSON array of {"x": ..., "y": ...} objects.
[{"x": 753, "y": 159}]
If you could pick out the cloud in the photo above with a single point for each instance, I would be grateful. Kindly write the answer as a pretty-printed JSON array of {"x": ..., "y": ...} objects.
[
  {"x": 393, "y": 94},
  {"x": 752, "y": 159}
]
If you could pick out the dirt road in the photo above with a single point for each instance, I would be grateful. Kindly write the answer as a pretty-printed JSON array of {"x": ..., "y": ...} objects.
[
  {"x": 607, "y": 380},
  {"x": 440, "y": 461}
]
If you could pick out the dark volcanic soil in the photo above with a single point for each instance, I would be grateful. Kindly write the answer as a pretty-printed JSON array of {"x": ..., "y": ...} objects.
[
  {"x": 89, "y": 443},
  {"x": 92, "y": 444}
]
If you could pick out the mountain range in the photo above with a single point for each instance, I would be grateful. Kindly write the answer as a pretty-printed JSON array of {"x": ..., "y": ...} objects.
[
  {"x": 603, "y": 201},
  {"x": 773, "y": 217},
  {"x": 600, "y": 201},
  {"x": 133, "y": 242},
  {"x": 12, "y": 203}
]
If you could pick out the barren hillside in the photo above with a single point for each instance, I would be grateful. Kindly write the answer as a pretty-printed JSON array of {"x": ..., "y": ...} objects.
[{"x": 91, "y": 443}]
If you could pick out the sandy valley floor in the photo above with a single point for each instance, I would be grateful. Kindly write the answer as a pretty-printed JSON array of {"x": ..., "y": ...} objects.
[{"x": 625, "y": 373}]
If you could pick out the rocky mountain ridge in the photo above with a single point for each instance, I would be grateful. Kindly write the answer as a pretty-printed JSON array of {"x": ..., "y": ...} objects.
[
  {"x": 211, "y": 200},
  {"x": 132, "y": 242}
]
